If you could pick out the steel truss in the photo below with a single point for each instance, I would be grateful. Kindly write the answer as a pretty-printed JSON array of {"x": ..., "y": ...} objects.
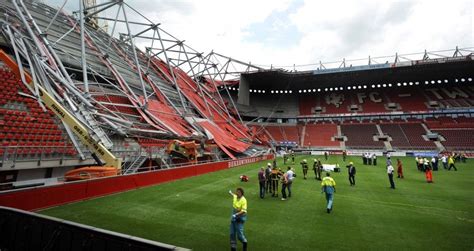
[{"x": 133, "y": 43}]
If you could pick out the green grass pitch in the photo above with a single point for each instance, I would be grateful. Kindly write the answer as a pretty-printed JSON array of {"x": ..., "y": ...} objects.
[{"x": 195, "y": 212}]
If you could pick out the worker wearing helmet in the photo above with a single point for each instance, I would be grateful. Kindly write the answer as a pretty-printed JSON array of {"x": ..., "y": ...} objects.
[
  {"x": 328, "y": 186},
  {"x": 304, "y": 165}
]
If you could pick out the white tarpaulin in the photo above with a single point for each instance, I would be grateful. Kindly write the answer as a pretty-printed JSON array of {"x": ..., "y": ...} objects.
[{"x": 329, "y": 167}]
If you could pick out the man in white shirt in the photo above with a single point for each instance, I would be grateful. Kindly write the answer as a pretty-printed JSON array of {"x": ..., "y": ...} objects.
[
  {"x": 287, "y": 182},
  {"x": 445, "y": 161},
  {"x": 390, "y": 171}
]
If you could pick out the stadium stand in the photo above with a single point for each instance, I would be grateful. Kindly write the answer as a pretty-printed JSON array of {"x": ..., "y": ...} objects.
[
  {"x": 284, "y": 133},
  {"x": 361, "y": 136},
  {"x": 457, "y": 139},
  {"x": 363, "y": 101},
  {"x": 319, "y": 135},
  {"x": 276, "y": 133},
  {"x": 406, "y": 100},
  {"x": 291, "y": 133},
  {"x": 399, "y": 139},
  {"x": 414, "y": 133},
  {"x": 26, "y": 130}
]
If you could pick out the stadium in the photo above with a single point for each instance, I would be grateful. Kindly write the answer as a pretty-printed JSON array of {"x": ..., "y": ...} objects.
[{"x": 116, "y": 135}]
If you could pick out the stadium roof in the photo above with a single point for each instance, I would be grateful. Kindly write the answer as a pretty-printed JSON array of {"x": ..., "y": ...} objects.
[{"x": 422, "y": 70}]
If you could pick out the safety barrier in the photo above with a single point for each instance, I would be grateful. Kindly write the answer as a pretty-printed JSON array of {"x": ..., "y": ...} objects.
[{"x": 49, "y": 196}]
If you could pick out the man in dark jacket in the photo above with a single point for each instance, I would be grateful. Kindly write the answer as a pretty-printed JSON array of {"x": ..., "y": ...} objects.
[
  {"x": 261, "y": 182},
  {"x": 351, "y": 171}
]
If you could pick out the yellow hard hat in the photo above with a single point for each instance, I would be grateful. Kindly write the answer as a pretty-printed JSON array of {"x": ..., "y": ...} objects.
[{"x": 350, "y": 163}]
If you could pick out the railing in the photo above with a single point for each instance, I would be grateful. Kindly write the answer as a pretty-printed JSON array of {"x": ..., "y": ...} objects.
[
  {"x": 14, "y": 154},
  {"x": 171, "y": 166},
  {"x": 395, "y": 60}
]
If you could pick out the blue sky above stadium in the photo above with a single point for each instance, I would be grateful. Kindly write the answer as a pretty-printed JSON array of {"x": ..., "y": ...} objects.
[{"x": 287, "y": 32}]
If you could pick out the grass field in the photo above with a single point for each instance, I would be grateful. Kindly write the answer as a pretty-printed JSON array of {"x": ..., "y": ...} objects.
[{"x": 195, "y": 212}]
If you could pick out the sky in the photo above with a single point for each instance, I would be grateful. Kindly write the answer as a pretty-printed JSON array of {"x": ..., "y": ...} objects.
[{"x": 287, "y": 32}]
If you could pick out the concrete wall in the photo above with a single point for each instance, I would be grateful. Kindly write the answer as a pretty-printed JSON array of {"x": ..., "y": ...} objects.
[{"x": 244, "y": 86}]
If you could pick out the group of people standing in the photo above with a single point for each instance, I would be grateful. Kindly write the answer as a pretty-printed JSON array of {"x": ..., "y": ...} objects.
[
  {"x": 369, "y": 159},
  {"x": 269, "y": 179}
]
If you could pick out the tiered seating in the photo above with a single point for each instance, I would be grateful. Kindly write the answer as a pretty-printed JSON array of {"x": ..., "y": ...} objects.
[
  {"x": 118, "y": 104},
  {"x": 24, "y": 128},
  {"x": 457, "y": 139},
  {"x": 291, "y": 133},
  {"x": 373, "y": 101},
  {"x": 442, "y": 122},
  {"x": 458, "y": 133},
  {"x": 463, "y": 122},
  {"x": 276, "y": 133},
  {"x": 319, "y": 135},
  {"x": 399, "y": 139},
  {"x": 414, "y": 132},
  {"x": 286, "y": 133},
  {"x": 361, "y": 136}
]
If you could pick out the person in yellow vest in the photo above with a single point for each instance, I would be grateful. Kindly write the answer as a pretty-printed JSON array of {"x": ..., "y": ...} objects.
[
  {"x": 239, "y": 216},
  {"x": 451, "y": 163},
  {"x": 328, "y": 186}
]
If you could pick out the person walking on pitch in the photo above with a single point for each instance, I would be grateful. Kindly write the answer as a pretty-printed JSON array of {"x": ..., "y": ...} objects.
[
  {"x": 399, "y": 169},
  {"x": 444, "y": 160},
  {"x": 239, "y": 216},
  {"x": 261, "y": 182},
  {"x": 284, "y": 185},
  {"x": 428, "y": 174},
  {"x": 390, "y": 176},
  {"x": 328, "y": 186},
  {"x": 290, "y": 176},
  {"x": 451, "y": 163},
  {"x": 351, "y": 171}
]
